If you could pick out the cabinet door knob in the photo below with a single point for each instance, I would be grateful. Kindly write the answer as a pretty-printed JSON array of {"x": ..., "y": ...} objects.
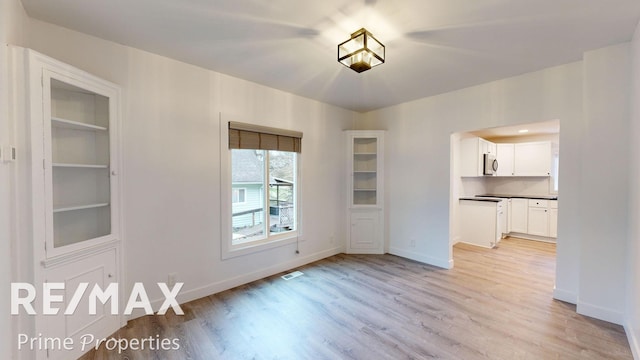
[{"x": 109, "y": 276}]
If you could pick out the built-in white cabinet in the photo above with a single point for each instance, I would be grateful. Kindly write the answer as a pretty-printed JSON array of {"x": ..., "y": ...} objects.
[
  {"x": 521, "y": 159},
  {"x": 365, "y": 207},
  {"x": 472, "y": 152},
  {"x": 505, "y": 159},
  {"x": 519, "y": 215},
  {"x": 532, "y": 159},
  {"x": 74, "y": 172},
  {"x": 538, "y": 218}
]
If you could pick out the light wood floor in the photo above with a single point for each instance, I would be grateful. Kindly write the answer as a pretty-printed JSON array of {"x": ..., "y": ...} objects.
[{"x": 495, "y": 304}]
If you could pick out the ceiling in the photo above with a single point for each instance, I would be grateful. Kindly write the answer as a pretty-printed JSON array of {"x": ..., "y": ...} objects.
[
  {"x": 538, "y": 128},
  {"x": 432, "y": 46}
]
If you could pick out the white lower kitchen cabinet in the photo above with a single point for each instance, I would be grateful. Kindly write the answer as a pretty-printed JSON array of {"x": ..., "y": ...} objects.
[
  {"x": 538, "y": 223},
  {"x": 481, "y": 222},
  {"x": 519, "y": 210}
]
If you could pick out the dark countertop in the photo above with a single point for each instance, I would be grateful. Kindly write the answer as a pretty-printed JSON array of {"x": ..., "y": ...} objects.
[
  {"x": 487, "y": 199},
  {"x": 505, "y": 196}
]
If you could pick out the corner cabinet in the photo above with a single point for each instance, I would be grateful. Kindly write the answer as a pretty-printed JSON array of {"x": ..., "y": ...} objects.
[
  {"x": 365, "y": 169},
  {"x": 74, "y": 169}
]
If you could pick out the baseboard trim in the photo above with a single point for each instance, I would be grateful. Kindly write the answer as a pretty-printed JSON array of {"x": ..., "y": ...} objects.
[
  {"x": 227, "y": 284},
  {"x": 599, "y": 312},
  {"x": 632, "y": 337},
  {"x": 566, "y": 296},
  {"x": 430, "y": 260}
]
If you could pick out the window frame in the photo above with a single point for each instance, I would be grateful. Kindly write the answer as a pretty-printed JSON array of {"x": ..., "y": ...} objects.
[
  {"x": 230, "y": 250},
  {"x": 244, "y": 196}
]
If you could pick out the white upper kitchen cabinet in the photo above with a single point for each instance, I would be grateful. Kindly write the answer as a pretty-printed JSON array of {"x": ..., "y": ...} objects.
[
  {"x": 472, "y": 152},
  {"x": 505, "y": 159},
  {"x": 532, "y": 159}
]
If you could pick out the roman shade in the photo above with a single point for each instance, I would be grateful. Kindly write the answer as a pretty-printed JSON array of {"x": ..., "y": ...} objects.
[{"x": 249, "y": 136}]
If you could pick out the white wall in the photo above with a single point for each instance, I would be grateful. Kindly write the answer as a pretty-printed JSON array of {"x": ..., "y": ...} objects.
[
  {"x": 12, "y": 25},
  {"x": 171, "y": 172},
  {"x": 632, "y": 324},
  {"x": 424, "y": 127},
  {"x": 604, "y": 182},
  {"x": 591, "y": 243}
]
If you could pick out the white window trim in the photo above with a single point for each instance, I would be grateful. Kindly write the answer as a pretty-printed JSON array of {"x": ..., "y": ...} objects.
[
  {"x": 229, "y": 250},
  {"x": 245, "y": 195}
]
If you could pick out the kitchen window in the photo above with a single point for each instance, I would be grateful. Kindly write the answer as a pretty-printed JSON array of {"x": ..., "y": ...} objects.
[{"x": 261, "y": 187}]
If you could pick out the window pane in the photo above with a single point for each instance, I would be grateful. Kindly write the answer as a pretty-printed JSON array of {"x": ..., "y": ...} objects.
[
  {"x": 282, "y": 190},
  {"x": 247, "y": 180}
]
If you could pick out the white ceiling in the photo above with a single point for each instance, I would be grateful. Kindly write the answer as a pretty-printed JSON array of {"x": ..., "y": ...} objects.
[
  {"x": 538, "y": 128},
  {"x": 432, "y": 46}
]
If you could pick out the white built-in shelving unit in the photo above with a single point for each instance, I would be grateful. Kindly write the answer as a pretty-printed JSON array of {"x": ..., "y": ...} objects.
[{"x": 366, "y": 191}]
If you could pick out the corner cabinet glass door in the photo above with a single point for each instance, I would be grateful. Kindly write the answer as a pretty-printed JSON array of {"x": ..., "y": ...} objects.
[
  {"x": 79, "y": 163},
  {"x": 365, "y": 168},
  {"x": 365, "y": 161}
]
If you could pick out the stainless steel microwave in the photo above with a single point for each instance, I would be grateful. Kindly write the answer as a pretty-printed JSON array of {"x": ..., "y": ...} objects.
[{"x": 490, "y": 164}]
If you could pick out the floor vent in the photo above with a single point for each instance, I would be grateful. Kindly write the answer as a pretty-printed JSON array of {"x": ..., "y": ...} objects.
[{"x": 292, "y": 275}]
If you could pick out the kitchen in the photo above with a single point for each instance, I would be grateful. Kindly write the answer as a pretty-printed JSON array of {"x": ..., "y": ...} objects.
[{"x": 505, "y": 183}]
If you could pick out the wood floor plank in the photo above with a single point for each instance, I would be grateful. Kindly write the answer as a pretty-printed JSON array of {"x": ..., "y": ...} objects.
[{"x": 495, "y": 304}]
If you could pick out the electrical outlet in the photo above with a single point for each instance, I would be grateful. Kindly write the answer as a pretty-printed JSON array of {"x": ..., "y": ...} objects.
[{"x": 171, "y": 280}]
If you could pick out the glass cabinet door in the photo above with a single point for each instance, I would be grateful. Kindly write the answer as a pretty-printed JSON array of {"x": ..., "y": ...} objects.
[
  {"x": 365, "y": 176},
  {"x": 78, "y": 153}
]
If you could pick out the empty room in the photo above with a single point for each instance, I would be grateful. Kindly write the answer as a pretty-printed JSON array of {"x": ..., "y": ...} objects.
[{"x": 370, "y": 179}]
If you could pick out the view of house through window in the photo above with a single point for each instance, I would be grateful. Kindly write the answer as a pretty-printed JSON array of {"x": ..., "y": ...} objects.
[
  {"x": 263, "y": 194},
  {"x": 238, "y": 195}
]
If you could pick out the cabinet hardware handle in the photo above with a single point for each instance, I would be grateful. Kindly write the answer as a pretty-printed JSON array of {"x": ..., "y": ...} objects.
[
  {"x": 114, "y": 173},
  {"x": 109, "y": 276}
]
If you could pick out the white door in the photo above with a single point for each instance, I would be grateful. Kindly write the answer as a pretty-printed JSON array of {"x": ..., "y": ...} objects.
[{"x": 364, "y": 234}]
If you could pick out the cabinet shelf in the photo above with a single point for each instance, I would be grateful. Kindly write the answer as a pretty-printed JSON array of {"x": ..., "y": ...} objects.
[
  {"x": 78, "y": 207},
  {"x": 69, "y": 124},
  {"x": 81, "y": 166}
]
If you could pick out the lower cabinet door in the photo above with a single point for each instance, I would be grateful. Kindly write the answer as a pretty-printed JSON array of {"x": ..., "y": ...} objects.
[
  {"x": 80, "y": 325},
  {"x": 365, "y": 232},
  {"x": 538, "y": 221}
]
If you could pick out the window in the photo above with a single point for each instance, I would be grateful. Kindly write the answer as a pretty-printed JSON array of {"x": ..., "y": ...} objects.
[
  {"x": 262, "y": 186},
  {"x": 238, "y": 196},
  {"x": 266, "y": 174}
]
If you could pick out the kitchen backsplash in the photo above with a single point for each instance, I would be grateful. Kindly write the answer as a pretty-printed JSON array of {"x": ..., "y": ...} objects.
[{"x": 505, "y": 185}]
